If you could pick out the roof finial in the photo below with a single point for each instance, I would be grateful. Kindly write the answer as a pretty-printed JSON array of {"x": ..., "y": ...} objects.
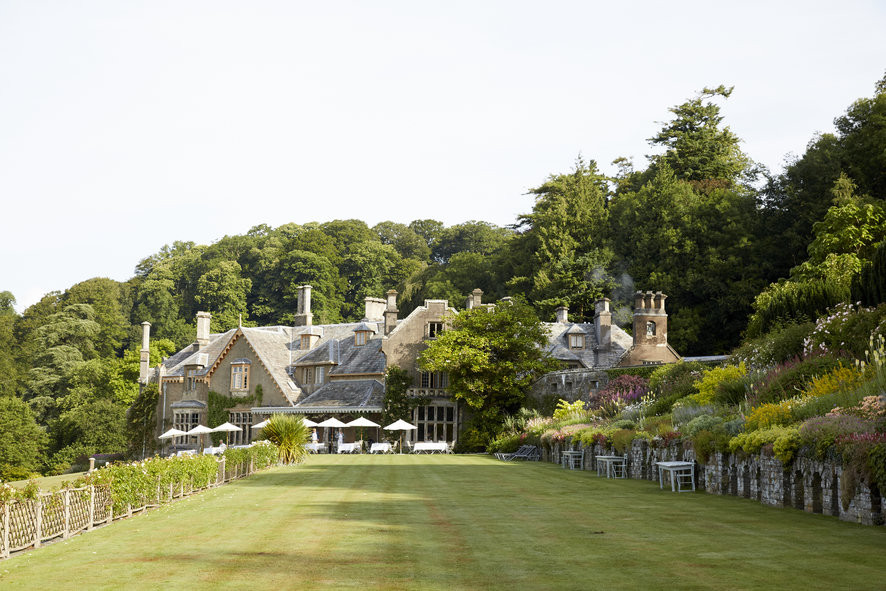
[{"x": 240, "y": 321}]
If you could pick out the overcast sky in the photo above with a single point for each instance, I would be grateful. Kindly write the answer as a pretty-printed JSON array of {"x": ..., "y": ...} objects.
[{"x": 127, "y": 125}]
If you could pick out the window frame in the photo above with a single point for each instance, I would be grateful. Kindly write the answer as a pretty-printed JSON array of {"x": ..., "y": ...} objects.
[{"x": 240, "y": 377}]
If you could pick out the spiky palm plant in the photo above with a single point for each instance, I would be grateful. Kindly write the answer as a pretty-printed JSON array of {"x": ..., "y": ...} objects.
[{"x": 289, "y": 434}]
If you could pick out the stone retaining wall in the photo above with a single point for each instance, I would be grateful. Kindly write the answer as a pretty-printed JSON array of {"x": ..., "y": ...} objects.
[{"x": 806, "y": 484}]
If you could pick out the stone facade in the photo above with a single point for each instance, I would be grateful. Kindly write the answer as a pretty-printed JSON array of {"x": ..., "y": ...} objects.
[{"x": 806, "y": 484}]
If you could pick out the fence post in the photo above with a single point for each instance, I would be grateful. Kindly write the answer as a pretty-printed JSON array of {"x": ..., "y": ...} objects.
[
  {"x": 128, "y": 509},
  {"x": 66, "y": 533},
  {"x": 91, "y": 507},
  {"x": 5, "y": 553},
  {"x": 38, "y": 529}
]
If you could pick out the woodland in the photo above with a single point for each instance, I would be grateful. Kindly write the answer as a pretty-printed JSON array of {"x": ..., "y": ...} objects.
[{"x": 739, "y": 250}]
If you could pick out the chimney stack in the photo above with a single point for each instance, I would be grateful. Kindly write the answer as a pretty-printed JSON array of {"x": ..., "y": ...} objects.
[
  {"x": 391, "y": 311},
  {"x": 303, "y": 316},
  {"x": 203, "y": 320},
  {"x": 477, "y": 297},
  {"x": 374, "y": 310},
  {"x": 562, "y": 315},
  {"x": 145, "y": 353},
  {"x": 650, "y": 319},
  {"x": 603, "y": 323}
]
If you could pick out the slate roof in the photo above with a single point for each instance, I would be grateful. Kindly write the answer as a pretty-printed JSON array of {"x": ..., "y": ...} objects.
[
  {"x": 356, "y": 394},
  {"x": 558, "y": 344}
]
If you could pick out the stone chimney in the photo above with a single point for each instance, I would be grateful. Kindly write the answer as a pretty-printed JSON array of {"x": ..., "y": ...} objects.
[
  {"x": 650, "y": 319},
  {"x": 603, "y": 324},
  {"x": 145, "y": 354},
  {"x": 391, "y": 311},
  {"x": 375, "y": 310},
  {"x": 303, "y": 316},
  {"x": 477, "y": 298},
  {"x": 562, "y": 315},
  {"x": 203, "y": 320}
]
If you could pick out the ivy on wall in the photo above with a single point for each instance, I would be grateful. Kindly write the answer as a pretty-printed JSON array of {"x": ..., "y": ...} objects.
[{"x": 219, "y": 405}]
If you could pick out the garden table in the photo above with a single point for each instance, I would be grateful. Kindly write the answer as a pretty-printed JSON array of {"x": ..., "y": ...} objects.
[
  {"x": 572, "y": 459},
  {"x": 381, "y": 448},
  {"x": 430, "y": 447},
  {"x": 679, "y": 472},
  {"x": 315, "y": 447},
  {"x": 614, "y": 466}
]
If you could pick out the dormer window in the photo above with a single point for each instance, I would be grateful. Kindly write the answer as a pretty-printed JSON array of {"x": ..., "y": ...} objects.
[
  {"x": 240, "y": 374},
  {"x": 305, "y": 342},
  {"x": 576, "y": 336},
  {"x": 362, "y": 334},
  {"x": 434, "y": 328}
]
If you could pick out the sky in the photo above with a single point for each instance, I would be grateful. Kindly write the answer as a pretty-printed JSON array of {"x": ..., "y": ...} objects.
[{"x": 125, "y": 126}]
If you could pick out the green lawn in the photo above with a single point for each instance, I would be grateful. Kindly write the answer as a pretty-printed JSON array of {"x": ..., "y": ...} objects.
[
  {"x": 457, "y": 522},
  {"x": 49, "y": 482}
]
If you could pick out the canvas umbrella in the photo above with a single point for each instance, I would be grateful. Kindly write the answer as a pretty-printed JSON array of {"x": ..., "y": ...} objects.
[
  {"x": 308, "y": 422},
  {"x": 200, "y": 430},
  {"x": 226, "y": 428},
  {"x": 261, "y": 425},
  {"x": 172, "y": 433},
  {"x": 332, "y": 422},
  {"x": 400, "y": 425},
  {"x": 362, "y": 422}
]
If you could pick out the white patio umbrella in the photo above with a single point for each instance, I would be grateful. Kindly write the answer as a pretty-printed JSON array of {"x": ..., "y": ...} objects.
[
  {"x": 331, "y": 422},
  {"x": 226, "y": 428},
  {"x": 308, "y": 422},
  {"x": 172, "y": 433},
  {"x": 261, "y": 425},
  {"x": 362, "y": 422},
  {"x": 400, "y": 425},
  {"x": 200, "y": 430}
]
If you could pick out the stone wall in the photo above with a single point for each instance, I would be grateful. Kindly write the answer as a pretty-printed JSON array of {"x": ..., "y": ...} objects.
[{"x": 807, "y": 484}]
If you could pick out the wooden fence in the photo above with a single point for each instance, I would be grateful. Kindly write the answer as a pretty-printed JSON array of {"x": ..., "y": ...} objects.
[{"x": 61, "y": 514}]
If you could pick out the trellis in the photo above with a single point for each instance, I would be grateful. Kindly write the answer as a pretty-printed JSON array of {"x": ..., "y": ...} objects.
[{"x": 29, "y": 523}]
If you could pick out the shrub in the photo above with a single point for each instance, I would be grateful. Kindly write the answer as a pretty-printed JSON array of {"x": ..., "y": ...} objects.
[
  {"x": 712, "y": 379},
  {"x": 846, "y": 328},
  {"x": 683, "y": 414},
  {"x": 289, "y": 433},
  {"x": 795, "y": 301},
  {"x": 820, "y": 433},
  {"x": 625, "y": 389},
  {"x": 621, "y": 439},
  {"x": 706, "y": 442},
  {"x": 506, "y": 443},
  {"x": 784, "y": 441},
  {"x": 782, "y": 343},
  {"x": 702, "y": 423},
  {"x": 623, "y": 424},
  {"x": 789, "y": 379},
  {"x": 770, "y": 414},
  {"x": 658, "y": 424},
  {"x": 570, "y": 411},
  {"x": 839, "y": 378},
  {"x": 864, "y": 458}
]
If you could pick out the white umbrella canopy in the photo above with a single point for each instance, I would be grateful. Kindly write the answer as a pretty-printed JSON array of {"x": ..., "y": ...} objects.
[
  {"x": 172, "y": 433},
  {"x": 200, "y": 430},
  {"x": 308, "y": 422},
  {"x": 261, "y": 425},
  {"x": 333, "y": 422},
  {"x": 226, "y": 427},
  {"x": 362, "y": 422},
  {"x": 400, "y": 425}
]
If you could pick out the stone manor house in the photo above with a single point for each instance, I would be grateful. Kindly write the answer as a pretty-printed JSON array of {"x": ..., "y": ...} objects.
[{"x": 338, "y": 370}]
